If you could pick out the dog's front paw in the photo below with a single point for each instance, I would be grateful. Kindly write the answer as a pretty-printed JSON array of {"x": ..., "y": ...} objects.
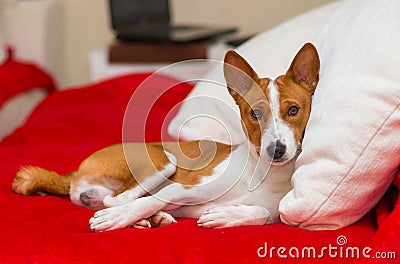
[
  {"x": 112, "y": 218},
  {"x": 233, "y": 215}
]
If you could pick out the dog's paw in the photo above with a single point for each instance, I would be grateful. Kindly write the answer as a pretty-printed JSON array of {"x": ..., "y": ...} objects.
[
  {"x": 124, "y": 215},
  {"x": 142, "y": 224},
  {"x": 161, "y": 219},
  {"x": 113, "y": 218},
  {"x": 234, "y": 215},
  {"x": 158, "y": 219}
]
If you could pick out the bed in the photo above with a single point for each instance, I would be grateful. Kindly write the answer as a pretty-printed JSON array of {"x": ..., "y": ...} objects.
[{"x": 69, "y": 125}]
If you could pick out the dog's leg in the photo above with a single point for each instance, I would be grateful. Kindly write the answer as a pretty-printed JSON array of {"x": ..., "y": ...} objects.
[
  {"x": 145, "y": 186},
  {"x": 234, "y": 215},
  {"x": 125, "y": 197},
  {"x": 173, "y": 195}
]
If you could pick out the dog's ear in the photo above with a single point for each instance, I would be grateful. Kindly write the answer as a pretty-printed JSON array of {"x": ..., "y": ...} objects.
[
  {"x": 239, "y": 75},
  {"x": 304, "y": 69}
]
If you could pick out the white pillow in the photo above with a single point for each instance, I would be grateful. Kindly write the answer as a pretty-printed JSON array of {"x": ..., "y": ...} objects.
[
  {"x": 209, "y": 111},
  {"x": 351, "y": 148},
  {"x": 2, "y": 46}
]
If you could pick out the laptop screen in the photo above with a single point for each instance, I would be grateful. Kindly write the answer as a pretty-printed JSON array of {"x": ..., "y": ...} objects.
[{"x": 138, "y": 12}]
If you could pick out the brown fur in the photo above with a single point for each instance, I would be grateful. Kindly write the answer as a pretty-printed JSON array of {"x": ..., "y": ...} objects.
[
  {"x": 31, "y": 180},
  {"x": 202, "y": 160},
  {"x": 249, "y": 92},
  {"x": 105, "y": 167},
  {"x": 292, "y": 94},
  {"x": 297, "y": 86},
  {"x": 108, "y": 167}
]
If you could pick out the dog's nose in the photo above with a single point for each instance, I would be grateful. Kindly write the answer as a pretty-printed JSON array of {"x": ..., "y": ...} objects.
[{"x": 277, "y": 150}]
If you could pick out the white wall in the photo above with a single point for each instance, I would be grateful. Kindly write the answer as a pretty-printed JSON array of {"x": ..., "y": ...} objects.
[
  {"x": 85, "y": 27},
  {"x": 86, "y": 24},
  {"x": 251, "y": 16}
]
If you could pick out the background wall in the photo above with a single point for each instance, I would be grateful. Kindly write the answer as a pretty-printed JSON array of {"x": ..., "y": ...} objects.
[
  {"x": 85, "y": 27},
  {"x": 86, "y": 24}
]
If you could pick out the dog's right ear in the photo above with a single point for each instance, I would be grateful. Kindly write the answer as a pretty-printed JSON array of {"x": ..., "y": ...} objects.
[
  {"x": 304, "y": 69},
  {"x": 239, "y": 75}
]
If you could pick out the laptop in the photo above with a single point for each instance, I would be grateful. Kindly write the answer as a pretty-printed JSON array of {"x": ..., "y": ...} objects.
[{"x": 149, "y": 20}]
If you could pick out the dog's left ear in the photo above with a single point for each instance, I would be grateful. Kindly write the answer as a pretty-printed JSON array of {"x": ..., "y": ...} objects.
[{"x": 304, "y": 69}]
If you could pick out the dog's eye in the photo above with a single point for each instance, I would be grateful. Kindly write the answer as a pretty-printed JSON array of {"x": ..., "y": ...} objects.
[
  {"x": 256, "y": 114},
  {"x": 293, "y": 111}
]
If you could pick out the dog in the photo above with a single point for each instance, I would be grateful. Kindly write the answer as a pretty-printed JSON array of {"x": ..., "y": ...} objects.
[{"x": 136, "y": 184}]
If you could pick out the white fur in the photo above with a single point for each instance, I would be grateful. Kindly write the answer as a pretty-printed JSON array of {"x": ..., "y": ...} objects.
[{"x": 279, "y": 130}]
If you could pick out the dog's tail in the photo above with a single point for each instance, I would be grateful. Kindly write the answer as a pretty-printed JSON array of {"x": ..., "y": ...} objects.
[{"x": 31, "y": 180}]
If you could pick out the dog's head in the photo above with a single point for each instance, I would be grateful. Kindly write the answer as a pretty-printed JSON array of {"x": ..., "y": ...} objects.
[{"x": 274, "y": 112}]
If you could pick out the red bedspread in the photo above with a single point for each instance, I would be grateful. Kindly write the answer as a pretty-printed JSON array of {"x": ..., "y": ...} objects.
[{"x": 70, "y": 125}]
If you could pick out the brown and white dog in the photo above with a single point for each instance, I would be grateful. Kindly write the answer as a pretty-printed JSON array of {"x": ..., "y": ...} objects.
[{"x": 222, "y": 185}]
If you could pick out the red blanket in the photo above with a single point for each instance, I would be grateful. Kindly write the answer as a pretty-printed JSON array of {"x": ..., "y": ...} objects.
[{"x": 71, "y": 124}]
